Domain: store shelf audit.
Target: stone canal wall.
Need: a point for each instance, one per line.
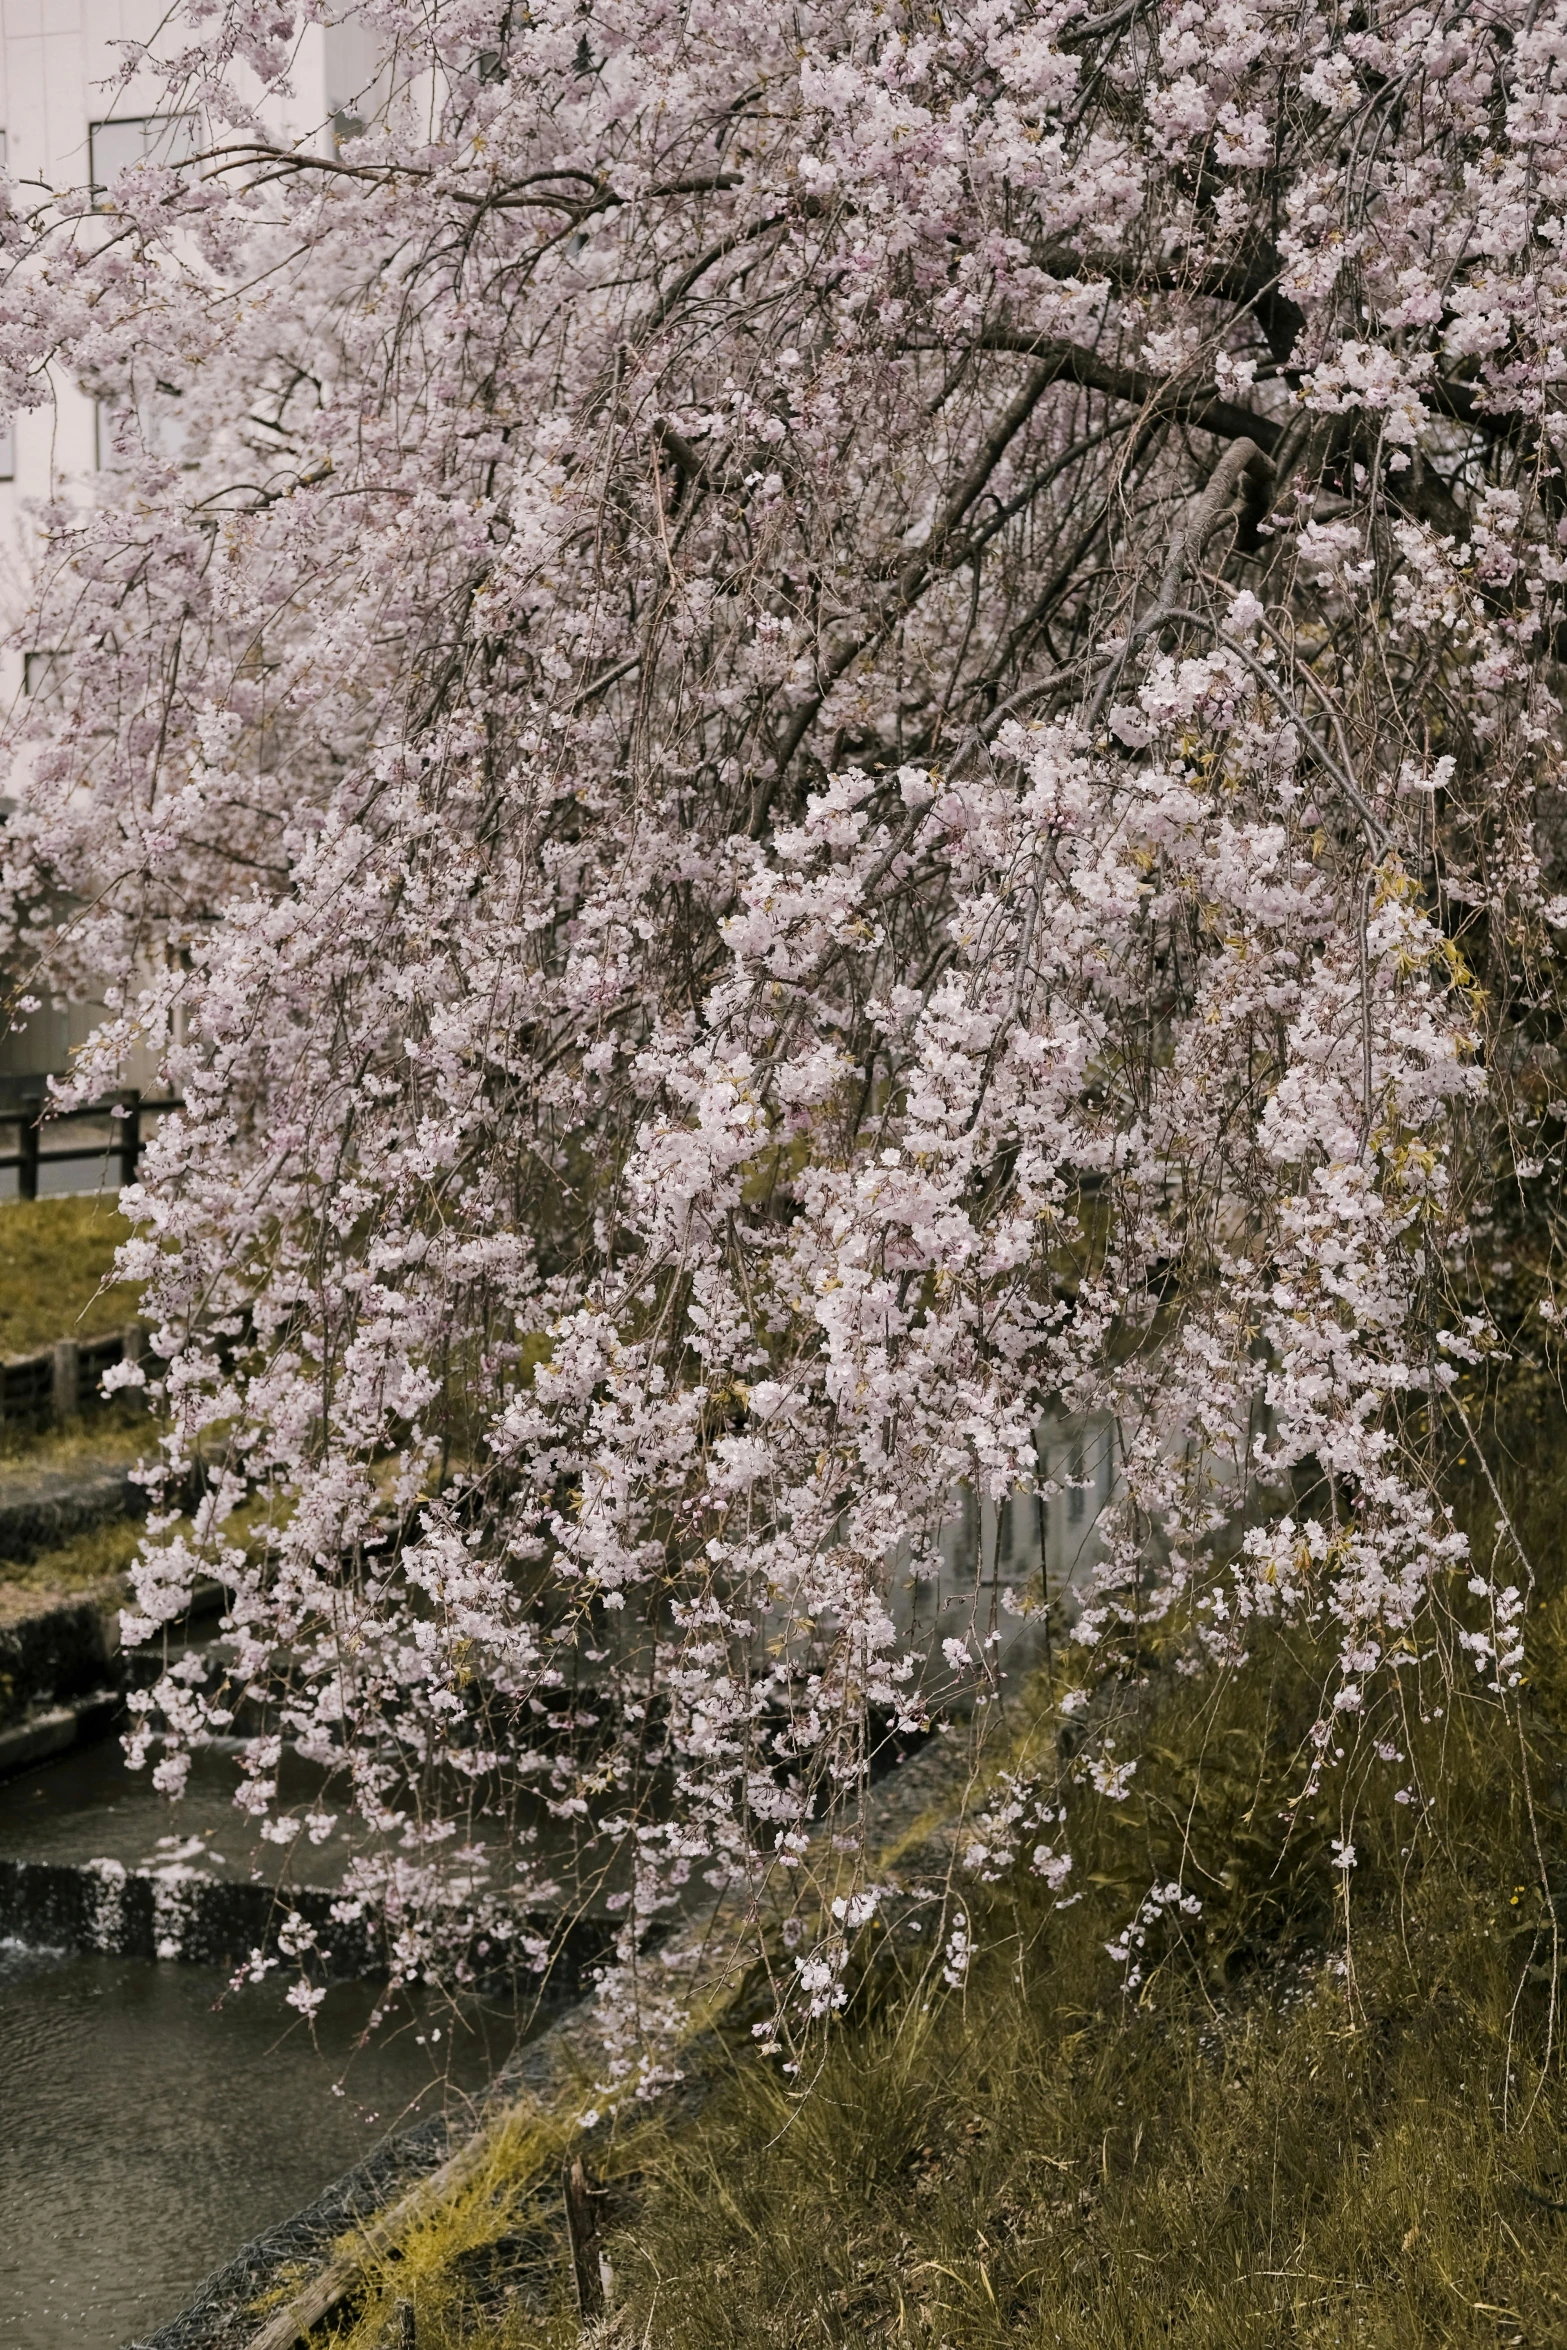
(175, 1913)
(59, 1681)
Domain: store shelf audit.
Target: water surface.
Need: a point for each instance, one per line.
(152, 2121)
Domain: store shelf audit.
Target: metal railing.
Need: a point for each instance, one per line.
(124, 1111)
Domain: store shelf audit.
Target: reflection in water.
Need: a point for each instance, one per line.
(89, 1806)
(152, 2121)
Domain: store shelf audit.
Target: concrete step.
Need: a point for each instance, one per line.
(41, 1508)
(54, 1729)
(54, 1656)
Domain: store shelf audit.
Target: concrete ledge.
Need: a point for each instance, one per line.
(56, 1728)
(174, 1913)
(190, 1915)
(53, 1656)
(44, 1507)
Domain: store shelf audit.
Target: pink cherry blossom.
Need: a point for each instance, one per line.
(808, 734)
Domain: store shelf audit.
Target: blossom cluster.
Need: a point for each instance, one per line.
(838, 728)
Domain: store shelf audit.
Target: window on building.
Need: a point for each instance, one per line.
(148, 411)
(114, 147)
(355, 82)
(43, 675)
(1077, 1499)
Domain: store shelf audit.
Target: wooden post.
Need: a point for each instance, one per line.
(582, 2227)
(129, 1123)
(27, 1146)
(67, 1379)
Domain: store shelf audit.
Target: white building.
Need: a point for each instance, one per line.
(66, 121)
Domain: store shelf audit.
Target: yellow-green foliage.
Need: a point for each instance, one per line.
(445, 2255)
(54, 1254)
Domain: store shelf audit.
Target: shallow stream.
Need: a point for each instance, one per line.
(152, 2121)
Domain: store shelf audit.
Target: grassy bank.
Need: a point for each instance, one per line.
(1293, 2133)
(55, 1256)
(1331, 2113)
(93, 1564)
(1341, 2148)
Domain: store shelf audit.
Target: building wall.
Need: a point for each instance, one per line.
(59, 76)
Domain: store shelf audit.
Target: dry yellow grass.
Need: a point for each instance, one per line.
(1306, 2129)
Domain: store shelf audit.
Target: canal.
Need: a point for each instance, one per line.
(153, 2118)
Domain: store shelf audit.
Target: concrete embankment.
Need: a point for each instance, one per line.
(62, 1675)
(60, 1678)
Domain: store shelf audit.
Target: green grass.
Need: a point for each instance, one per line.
(55, 1254)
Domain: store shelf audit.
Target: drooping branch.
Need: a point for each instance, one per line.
(758, 879)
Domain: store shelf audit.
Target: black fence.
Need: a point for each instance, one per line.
(125, 1113)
